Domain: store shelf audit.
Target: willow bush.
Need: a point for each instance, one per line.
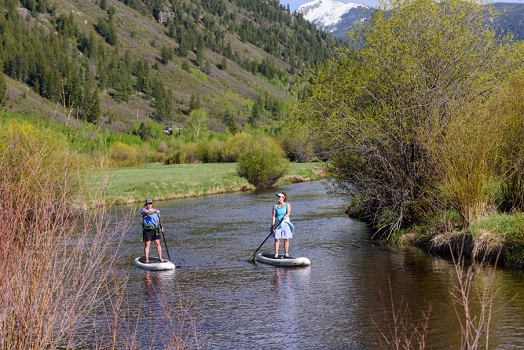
(510, 102)
(468, 151)
(262, 163)
(379, 107)
(298, 143)
(236, 145)
(46, 291)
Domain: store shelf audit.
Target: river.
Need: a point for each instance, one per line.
(336, 303)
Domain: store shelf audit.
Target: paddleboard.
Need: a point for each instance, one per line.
(268, 258)
(154, 264)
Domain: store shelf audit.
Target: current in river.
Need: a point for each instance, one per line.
(338, 302)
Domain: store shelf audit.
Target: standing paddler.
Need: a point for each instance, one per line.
(151, 229)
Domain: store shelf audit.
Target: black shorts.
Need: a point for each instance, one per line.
(151, 234)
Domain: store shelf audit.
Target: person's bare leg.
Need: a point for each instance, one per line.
(277, 245)
(159, 249)
(286, 247)
(146, 250)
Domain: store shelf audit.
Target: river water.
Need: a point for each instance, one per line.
(336, 303)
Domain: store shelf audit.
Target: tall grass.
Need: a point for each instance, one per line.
(58, 281)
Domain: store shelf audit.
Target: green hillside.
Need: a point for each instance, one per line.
(113, 63)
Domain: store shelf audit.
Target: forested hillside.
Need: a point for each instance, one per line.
(512, 18)
(113, 63)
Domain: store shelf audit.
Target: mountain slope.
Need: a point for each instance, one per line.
(512, 18)
(142, 60)
(333, 16)
(338, 18)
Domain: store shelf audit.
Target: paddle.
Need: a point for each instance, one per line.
(252, 257)
(161, 230)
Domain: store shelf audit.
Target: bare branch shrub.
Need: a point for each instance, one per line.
(469, 294)
(60, 287)
(396, 329)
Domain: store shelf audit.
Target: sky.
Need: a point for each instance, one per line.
(294, 4)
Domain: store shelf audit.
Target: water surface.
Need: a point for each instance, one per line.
(332, 304)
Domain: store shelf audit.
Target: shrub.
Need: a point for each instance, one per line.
(262, 164)
(209, 151)
(297, 143)
(189, 152)
(123, 155)
(235, 146)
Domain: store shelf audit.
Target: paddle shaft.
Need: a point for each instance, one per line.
(260, 246)
(162, 230)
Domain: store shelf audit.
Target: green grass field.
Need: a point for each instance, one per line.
(163, 182)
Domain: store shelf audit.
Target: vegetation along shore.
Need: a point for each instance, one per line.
(164, 182)
(417, 118)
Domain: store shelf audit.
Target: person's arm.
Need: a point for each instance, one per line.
(149, 211)
(273, 219)
(288, 211)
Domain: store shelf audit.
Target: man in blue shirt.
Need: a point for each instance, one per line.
(151, 229)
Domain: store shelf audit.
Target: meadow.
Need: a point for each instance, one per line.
(164, 182)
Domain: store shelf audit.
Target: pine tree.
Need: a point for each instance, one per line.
(194, 103)
(231, 122)
(256, 112)
(4, 95)
(166, 54)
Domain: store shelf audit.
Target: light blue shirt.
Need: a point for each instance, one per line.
(280, 212)
(149, 219)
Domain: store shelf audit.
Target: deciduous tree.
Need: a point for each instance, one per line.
(413, 68)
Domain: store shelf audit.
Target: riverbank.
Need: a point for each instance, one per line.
(164, 182)
(497, 239)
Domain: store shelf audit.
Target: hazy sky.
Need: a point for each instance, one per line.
(294, 4)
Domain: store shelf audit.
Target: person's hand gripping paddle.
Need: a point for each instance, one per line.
(252, 257)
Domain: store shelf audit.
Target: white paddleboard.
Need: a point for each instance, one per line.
(268, 258)
(154, 264)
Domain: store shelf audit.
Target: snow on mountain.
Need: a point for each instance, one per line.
(326, 14)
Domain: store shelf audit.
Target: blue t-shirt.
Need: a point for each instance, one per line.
(149, 219)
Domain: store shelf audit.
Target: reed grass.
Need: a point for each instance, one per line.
(58, 279)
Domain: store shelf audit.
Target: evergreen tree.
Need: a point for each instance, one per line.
(4, 95)
(143, 80)
(162, 100)
(166, 54)
(256, 112)
(92, 107)
(185, 65)
(194, 103)
(231, 122)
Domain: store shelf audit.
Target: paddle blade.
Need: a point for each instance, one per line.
(251, 258)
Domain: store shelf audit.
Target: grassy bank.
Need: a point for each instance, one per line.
(498, 238)
(164, 182)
